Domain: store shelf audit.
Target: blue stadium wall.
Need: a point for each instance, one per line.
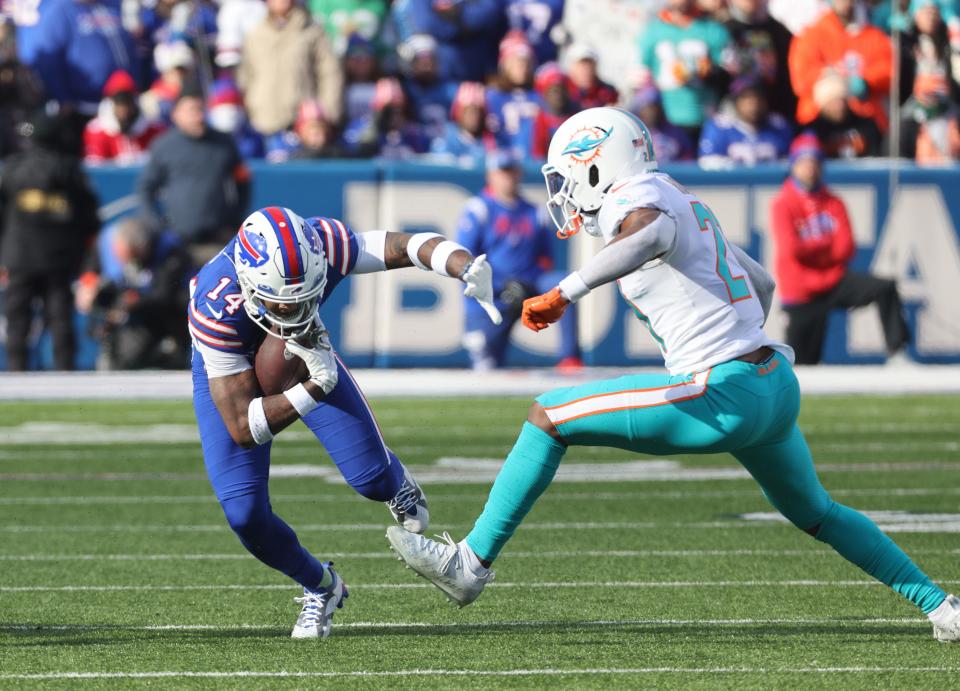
(411, 318)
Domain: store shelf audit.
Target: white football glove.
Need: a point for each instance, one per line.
(319, 358)
(479, 280)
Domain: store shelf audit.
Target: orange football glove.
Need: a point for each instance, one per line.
(543, 310)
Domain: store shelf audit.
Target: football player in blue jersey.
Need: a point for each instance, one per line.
(275, 274)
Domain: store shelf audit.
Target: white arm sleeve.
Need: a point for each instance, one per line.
(617, 259)
(220, 364)
(762, 282)
(370, 252)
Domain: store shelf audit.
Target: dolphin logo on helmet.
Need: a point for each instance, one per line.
(578, 147)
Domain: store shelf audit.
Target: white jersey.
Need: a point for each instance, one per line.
(697, 300)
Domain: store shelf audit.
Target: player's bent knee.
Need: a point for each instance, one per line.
(538, 416)
(246, 514)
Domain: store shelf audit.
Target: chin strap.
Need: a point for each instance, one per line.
(573, 226)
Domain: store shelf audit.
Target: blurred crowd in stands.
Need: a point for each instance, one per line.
(192, 89)
(727, 82)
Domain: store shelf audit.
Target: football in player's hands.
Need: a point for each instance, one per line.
(276, 369)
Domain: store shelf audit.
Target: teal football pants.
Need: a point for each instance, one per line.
(748, 410)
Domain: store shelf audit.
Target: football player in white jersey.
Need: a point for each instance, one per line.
(729, 387)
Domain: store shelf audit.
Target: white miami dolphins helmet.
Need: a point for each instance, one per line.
(279, 258)
(587, 153)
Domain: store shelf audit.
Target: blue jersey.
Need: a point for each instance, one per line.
(431, 104)
(516, 239)
(76, 46)
(726, 138)
(536, 19)
(512, 114)
(215, 314)
(457, 145)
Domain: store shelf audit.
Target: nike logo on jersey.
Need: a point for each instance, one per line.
(618, 187)
(217, 314)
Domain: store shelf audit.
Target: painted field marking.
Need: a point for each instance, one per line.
(613, 554)
(355, 527)
(374, 625)
(453, 470)
(94, 499)
(420, 586)
(888, 521)
(441, 673)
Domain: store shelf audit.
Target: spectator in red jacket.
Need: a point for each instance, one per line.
(813, 248)
(556, 90)
(119, 134)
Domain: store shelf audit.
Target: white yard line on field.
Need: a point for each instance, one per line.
(418, 585)
(163, 499)
(443, 673)
(375, 625)
(888, 521)
(571, 554)
(457, 470)
(354, 527)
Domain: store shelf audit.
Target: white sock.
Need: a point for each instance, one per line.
(471, 559)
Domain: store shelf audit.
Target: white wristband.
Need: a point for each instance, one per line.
(441, 253)
(257, 420)
(301, 399)
(415, 243)
(573, 287)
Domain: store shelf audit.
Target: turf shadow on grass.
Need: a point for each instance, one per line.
(34, 635)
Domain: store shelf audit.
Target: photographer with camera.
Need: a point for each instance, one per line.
(134, 295)
(516, 237)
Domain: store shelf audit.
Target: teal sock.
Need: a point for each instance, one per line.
(527, 472)
(858, 540)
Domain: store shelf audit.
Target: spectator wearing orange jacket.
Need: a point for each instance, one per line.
(813, 246)
(842, 41)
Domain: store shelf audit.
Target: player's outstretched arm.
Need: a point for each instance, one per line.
(381, 250)
(645, 234)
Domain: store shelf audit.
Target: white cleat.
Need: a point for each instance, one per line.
(946, 620)
(316, 617)
(409, 506)
(445, 564)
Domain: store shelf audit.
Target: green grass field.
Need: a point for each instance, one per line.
(118, 570)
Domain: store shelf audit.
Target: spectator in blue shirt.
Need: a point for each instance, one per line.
(361, 69)
(430, 97)
(512, 103)
(77, 45)
(748, 133)
(467, 32)
(670, 142)
(466, 140)
(537, 19)
(516, 237)
(389, 131)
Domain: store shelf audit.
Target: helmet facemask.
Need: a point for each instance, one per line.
(297, 324)
(565, 211)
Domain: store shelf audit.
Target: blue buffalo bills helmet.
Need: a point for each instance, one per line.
(279, 258)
